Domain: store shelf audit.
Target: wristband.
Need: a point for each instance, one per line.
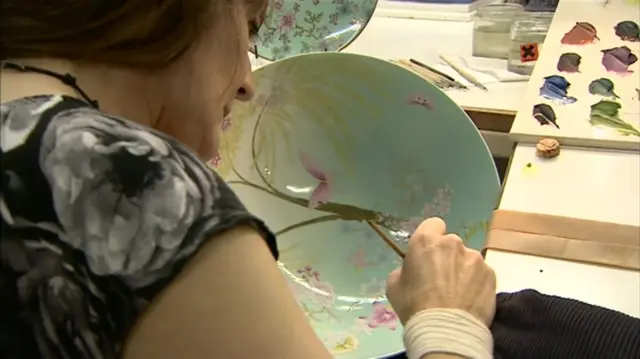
(447, 331)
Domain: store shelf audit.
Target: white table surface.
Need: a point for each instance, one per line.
(580, 183)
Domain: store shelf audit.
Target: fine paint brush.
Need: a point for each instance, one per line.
(447, 82)
(466, 75)
(429, 68)
(390, 242)
(432, 77)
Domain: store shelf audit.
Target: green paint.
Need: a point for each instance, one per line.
(606, 114)
(603, 87)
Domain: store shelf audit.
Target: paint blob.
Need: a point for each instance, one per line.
(602, 87)
(606, 113)
(556, 88)
(582, 33)
(569, 62)
(628, 31)
(618, 59)
(545, 115)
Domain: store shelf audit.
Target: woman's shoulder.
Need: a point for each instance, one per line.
(142, 190)
(117, 208)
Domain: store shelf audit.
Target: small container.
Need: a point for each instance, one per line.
(491, 29)
(527, 36)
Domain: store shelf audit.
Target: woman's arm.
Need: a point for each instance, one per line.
(230, 301)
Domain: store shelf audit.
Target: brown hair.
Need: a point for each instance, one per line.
(131, 33)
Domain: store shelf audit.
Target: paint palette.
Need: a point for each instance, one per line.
(293, 27)
(585, 88)
(335, 146)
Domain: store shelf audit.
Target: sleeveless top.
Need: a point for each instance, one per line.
(99, 214)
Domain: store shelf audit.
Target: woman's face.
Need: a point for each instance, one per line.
(209, 78)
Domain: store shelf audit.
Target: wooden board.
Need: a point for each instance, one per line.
(585, 111)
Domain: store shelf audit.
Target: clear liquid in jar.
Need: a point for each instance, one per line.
(487, 43)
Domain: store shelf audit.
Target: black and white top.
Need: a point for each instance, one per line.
(98, 215)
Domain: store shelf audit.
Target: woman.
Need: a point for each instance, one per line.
(118, 241)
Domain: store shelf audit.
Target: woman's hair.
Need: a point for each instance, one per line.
(130, 33)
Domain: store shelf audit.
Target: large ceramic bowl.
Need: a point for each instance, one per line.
(336, 143)
(293, 27)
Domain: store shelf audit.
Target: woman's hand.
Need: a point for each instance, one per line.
(440, 272)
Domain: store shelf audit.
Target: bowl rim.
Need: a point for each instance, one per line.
(344, 45)
(319, 55)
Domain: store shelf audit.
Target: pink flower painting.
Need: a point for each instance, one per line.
(322, 192)
(382, 317)
(324, 295)
(287, 22)
(421, 101)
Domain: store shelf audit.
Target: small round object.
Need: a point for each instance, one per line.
(548, 148)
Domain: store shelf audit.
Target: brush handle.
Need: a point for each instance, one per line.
(466, 75)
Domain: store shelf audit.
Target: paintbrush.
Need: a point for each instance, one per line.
(390, 242)
(431, 69)
(424, 75)
(466, 75)
(436, 79)
(447, 81)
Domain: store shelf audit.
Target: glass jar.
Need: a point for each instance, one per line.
(491, 27)
(527, 36)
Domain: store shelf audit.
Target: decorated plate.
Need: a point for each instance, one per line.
(334, 145)
(293, 27)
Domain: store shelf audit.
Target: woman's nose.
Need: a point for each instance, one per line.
(246, 91)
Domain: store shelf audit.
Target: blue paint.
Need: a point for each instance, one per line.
(556, 88)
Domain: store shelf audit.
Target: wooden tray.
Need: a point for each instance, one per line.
(571, 239)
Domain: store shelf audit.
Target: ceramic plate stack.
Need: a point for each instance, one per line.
(335, 143)
(294, 27)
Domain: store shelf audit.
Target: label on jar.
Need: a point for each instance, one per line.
(529, 52)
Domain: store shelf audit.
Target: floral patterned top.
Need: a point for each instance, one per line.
(98, 215)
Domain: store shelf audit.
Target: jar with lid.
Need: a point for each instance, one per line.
(527, 36)
(491, 29)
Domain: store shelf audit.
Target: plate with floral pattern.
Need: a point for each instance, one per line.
(334, 146)
(293, 27)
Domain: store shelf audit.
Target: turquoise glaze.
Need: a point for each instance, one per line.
(292, 27)
(334, 143)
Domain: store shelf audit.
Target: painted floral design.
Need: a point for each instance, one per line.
(340, 320)
(381, 317)
(341, 342)
(439, 206)
(322, 192)
(294, 27)
(321, 297)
